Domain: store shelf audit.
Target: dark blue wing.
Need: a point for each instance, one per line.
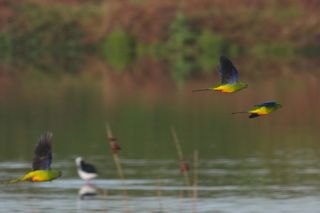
(228, 72)
(266, 104)
(42, 154)
(254, 115)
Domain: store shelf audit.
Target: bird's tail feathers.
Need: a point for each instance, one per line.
(239, 112)
(11, 181)
(15, 180)
(200, 90)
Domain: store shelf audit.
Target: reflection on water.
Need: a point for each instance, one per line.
(87, 191)
(262, 165)
(225, 185)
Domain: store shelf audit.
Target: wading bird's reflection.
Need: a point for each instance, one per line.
(87, 191)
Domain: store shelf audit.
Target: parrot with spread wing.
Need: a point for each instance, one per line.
(41, 165)
(229, 78)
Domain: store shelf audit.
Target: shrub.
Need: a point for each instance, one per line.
(118, 49)
(211, 46)
(180, 47)
(5, 46)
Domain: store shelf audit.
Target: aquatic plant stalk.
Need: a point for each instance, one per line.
(195, 180)
(115, 154)
(159, 194)
(184, 167)
(183, 164)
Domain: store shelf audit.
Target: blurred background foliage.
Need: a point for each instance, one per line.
(188, 36)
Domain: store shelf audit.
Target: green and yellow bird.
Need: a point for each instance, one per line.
(262, 109)
(41, 165)
(229, 78)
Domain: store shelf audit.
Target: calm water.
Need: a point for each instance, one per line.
(263, 165)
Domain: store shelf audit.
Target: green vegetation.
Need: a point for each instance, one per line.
(179, 47)
(118, 49)
(186, 49)
(6, 47)
(211, 46)
(45, 37)
(188, 38)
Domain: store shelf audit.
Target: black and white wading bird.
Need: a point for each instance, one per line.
(86, 171)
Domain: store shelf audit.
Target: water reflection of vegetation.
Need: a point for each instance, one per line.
(76, 110)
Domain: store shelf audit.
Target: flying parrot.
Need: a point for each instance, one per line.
(41, 165)
(262, 109)
(229, 78)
